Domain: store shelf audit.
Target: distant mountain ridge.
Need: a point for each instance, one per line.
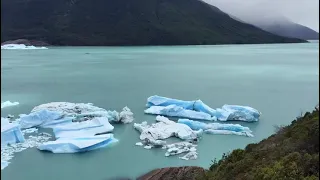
(126, 22)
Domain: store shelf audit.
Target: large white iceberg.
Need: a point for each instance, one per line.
(86, 111)
(198, 110)
(163, 129)
(10, 132)
(78, 144)
(218, 128)
(20, 46)
(84, 128)
(8, 104)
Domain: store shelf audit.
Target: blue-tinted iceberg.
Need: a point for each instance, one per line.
(198, 110)
(43, 118)
(8, 104)
(217, 128)
(78, 144)
(84, 128)
(10, 132)
(177, 111)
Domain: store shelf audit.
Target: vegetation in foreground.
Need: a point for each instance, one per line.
(292, 153)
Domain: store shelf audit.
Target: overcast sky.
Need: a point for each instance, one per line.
(304, 12)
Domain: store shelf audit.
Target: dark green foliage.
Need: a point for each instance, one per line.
(290, 154)
(126, 22)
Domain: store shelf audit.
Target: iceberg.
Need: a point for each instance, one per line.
(198, 110)
(217, 128)
(87, 128)
(177, 111)
(163, 129)
(190, 155)
(8, 151)
(20, 46)
(78, 144)
(4, 164)
(86, 111)
(8, 104)
(42, 118)
(179, 148)
(10, 133)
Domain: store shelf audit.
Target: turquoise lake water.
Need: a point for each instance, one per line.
(280, 80)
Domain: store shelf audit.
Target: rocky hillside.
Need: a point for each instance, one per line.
(126, 22)
(292, 153)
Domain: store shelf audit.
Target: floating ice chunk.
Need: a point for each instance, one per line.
(164, 129)
(30, 130)
(198, 110)
(40, 118)
(8, 151)
(177, 111)
(4, 121)
(148, 147)
(196, 105)
(126, 116)
(217, 128)
(4, 164)
(8, 104)
(84, 128)
(11, 133)
(78, 144)
(139, 144)
(243, 133)
(241, 113)
(190, 155)
(179, 148)
(83, 111)
(20, 46)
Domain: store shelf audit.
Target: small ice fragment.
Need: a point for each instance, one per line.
(8, 104)
(139, 144)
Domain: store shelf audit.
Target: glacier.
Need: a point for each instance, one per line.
(78, 144)
(8, 104)
(198, 110)
(20, 46)
(218, 128)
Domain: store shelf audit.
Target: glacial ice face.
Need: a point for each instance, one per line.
(20, 46)
(164, 129)
(10, 133)
(78, 144)
(217, 128)
(8, 104)
(198, 110)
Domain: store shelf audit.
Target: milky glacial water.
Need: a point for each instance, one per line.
(280, 80)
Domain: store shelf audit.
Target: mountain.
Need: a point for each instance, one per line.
(266, 15)
(126, 22)
(284, 27)
(292, 153)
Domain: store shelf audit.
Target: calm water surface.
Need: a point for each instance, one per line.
(279, 80)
